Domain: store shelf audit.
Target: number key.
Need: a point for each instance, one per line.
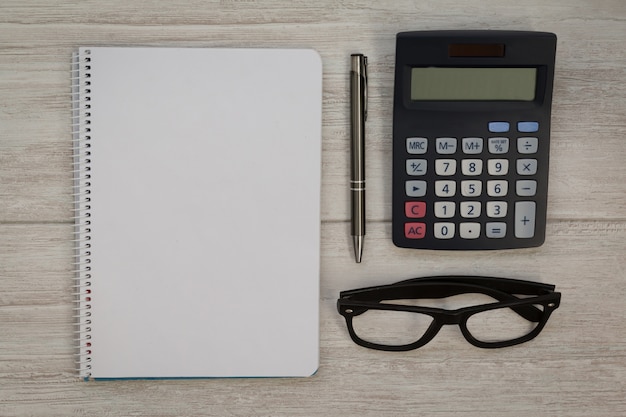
(470, 209)
(445, 188)
(497, 188)
(471, 188)
(444, 209)
(444, 230)
(496, 209)
(445, 167)
(498, 166)
(472, 166)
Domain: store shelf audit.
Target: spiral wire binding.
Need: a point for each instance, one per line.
(81, 144)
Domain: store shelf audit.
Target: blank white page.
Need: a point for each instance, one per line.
(205, 212)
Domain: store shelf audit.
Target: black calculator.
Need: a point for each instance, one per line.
(471, 138)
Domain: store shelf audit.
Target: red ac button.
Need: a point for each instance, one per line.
(414, 230)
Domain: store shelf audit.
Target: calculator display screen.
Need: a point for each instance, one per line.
(479, 84)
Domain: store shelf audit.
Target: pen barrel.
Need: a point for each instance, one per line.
(357, 197)
(357, 146)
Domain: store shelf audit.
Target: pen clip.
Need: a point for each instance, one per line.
(364, 71)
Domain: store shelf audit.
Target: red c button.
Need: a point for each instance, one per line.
(415, 209)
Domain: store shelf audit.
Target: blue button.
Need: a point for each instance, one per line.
(527, 127)
(499, 127)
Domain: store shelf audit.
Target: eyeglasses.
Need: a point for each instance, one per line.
(379, 317)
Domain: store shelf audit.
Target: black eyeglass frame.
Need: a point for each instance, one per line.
(355, 302)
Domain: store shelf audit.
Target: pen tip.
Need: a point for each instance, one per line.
(358, 248)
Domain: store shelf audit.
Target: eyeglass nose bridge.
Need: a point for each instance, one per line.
(450, 317)
(441, 319)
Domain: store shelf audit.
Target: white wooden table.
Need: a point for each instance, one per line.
(576, 367)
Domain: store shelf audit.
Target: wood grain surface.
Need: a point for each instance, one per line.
(576, 367)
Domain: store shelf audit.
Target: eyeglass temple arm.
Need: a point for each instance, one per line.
(438, 289)
(509, 285)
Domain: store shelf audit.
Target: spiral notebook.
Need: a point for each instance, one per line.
(197, 199)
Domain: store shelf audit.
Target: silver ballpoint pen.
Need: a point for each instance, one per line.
(358, 114)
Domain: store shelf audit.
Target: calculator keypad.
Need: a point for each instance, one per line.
(482, 187)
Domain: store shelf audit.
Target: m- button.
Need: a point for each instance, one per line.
(445, 146)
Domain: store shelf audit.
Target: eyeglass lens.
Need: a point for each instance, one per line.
(500, 325)
(391, 328)
(398, 328)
